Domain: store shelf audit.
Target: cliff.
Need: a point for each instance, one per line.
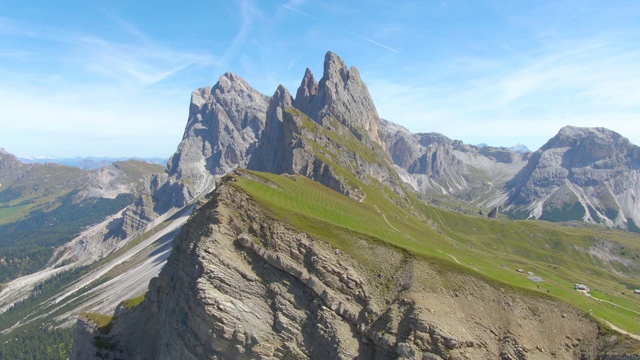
(242, 284)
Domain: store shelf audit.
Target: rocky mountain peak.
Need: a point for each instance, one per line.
(570, 136)
(334, 68)
(273, 153)
(224, 124)
(587, 174)
(8, 162)
(281, 98)
(342, 95)
(593, 145)
(307, 90)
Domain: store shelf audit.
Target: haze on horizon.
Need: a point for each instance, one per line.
(114, 79)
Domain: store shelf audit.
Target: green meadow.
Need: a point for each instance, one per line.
(491, 249)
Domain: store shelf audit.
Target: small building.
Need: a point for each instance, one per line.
(636, 291)
(520, 270)
(582, 287)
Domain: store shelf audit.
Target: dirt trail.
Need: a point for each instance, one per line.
(412, 238)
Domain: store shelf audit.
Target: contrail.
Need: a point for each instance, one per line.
(348, 32)
(299, 12)
(374, 42)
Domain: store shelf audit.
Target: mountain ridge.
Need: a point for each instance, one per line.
(340, 201)
(334, 257)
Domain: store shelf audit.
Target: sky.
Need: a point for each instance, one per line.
(114, 78)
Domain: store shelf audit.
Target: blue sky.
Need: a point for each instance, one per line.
(114, 78)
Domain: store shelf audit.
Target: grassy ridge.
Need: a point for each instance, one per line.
(492, 249)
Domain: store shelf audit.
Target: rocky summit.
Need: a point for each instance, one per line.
(584, 174)
(317, 241)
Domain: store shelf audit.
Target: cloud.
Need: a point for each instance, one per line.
(139, 60)
(585, 82)
(96, 91)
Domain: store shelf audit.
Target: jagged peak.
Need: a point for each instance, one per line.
(334, 65)
(281, 98)
(308, 87)
(230, 80)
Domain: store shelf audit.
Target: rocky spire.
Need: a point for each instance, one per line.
(342, 95)
(272, 153)
(306, 92)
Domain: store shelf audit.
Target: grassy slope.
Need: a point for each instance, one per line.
(492, 249)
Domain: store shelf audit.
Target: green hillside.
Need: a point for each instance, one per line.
(561, 255)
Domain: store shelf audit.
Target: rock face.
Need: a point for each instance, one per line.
(589, 174)
(330, 125)
(224, 125)
(241, 285)
(434, 164)
(342, 95)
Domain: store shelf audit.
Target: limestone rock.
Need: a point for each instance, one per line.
(223, 128)
(315, 132)
(342, 95)
(588, 174)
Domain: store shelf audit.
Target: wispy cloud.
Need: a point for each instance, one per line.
(97, 88)
(582, 82)
(146, 64)
(139, 60)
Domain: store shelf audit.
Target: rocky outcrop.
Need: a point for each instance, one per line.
(222, 131)
(242, 285)
(588, 174)
(115, 179)
(84, 347)
(275, 149)
(224, 124)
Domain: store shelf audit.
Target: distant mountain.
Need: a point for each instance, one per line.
(585, 174)
(434, 164)
(521, 148)
(89, 163)
(45, 205)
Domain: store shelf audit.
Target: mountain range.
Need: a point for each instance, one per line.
(309, 227)
(87, 163)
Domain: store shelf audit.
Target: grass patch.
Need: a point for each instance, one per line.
(131, 303)
(104, 322)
